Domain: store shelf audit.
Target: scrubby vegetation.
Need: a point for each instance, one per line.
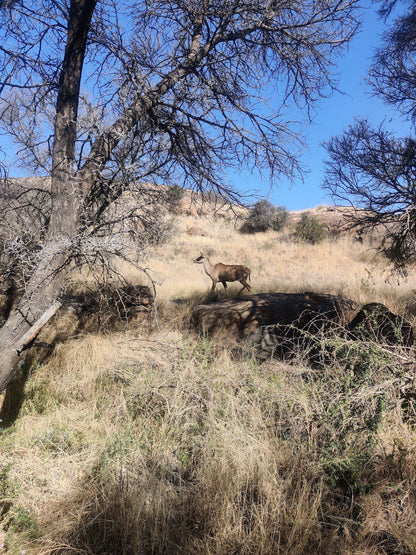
(263, 215)
(174, 195)
(310, 229)
(153, 439)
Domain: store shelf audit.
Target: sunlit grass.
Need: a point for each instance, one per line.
(155, 440)
(335, 266)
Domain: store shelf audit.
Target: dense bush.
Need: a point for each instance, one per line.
(264, 216)
(309, 229)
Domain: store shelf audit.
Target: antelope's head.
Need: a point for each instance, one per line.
(200, 259)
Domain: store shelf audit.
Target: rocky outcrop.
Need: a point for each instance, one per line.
(245, 315)
(279, 321)
(376, 322)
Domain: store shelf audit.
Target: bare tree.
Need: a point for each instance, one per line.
(376, 172)
(172, 91)
(392, 74)
(369, 166)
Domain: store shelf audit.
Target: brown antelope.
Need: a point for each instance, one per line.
(225, 272)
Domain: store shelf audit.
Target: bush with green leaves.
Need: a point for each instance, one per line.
(309, 229)
(174, 195)
(263, 216)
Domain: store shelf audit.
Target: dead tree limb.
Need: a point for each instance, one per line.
(31, 334)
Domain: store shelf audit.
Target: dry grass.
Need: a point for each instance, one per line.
(339, 266)
(154, 440)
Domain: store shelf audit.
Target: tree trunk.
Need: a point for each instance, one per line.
(69, 191)
(44, 285)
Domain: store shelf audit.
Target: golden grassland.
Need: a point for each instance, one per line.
(152, 439)
(336, 266)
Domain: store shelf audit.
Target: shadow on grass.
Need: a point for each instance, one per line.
(90, 312)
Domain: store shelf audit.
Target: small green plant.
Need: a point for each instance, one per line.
(345, 474)
(15, 519)
(175, 194)
(38, 397)
(309, 229)
(58, 441)
(117, 449)
(21, 520)
(8, 490)
(20, 525)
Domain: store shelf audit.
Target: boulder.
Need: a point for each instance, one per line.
(276, 322)
(284, 311)
(375, 322)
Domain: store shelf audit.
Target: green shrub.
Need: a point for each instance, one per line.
(174, 195)
(309, 229)
(280, 218)
(264, 216)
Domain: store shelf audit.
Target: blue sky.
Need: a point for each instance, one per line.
(333, 115)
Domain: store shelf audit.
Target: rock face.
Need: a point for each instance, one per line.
(245, 315)
(279, 321)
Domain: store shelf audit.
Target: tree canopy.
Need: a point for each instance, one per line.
(176, 91)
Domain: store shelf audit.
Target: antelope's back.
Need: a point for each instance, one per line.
(232, 272)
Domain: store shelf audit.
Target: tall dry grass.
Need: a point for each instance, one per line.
(336, 266)
(155, 440)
